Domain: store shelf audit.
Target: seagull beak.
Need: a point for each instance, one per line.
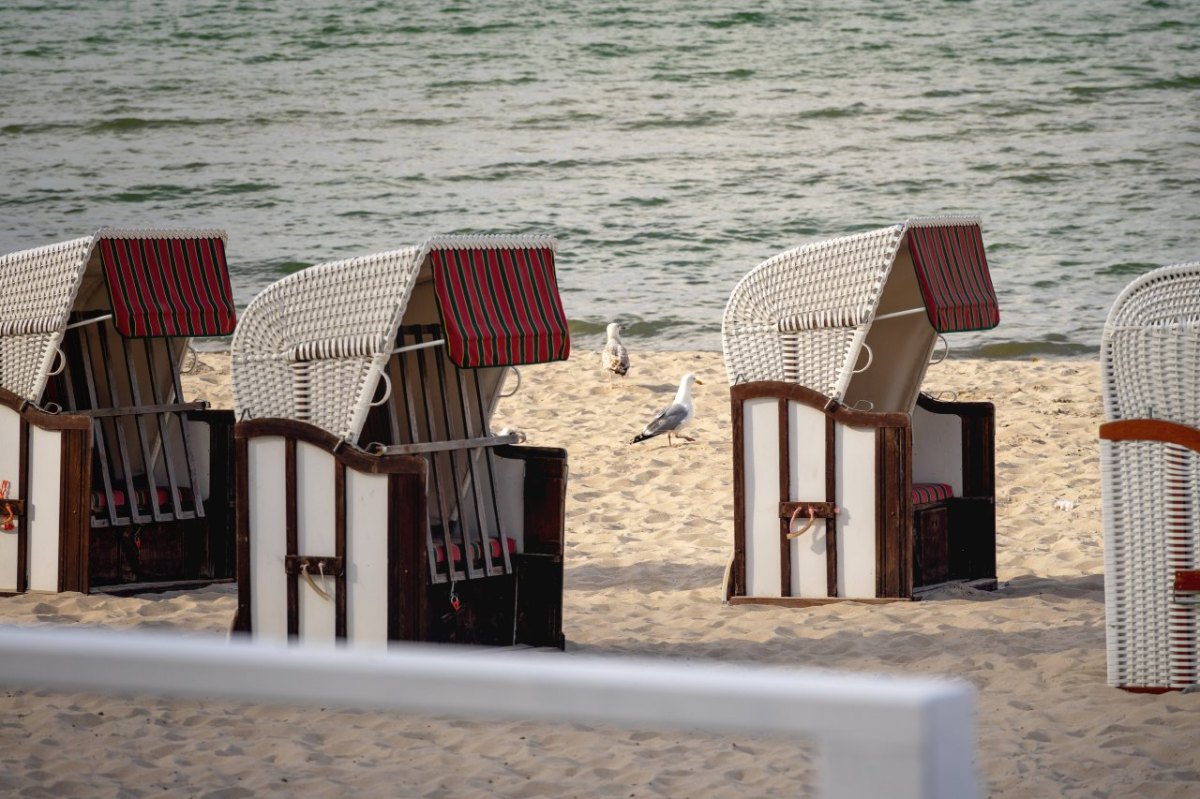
(699, 382)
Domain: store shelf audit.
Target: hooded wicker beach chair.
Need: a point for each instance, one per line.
(375, 501)
(109, 479)
(1150, 467)
(848, 482)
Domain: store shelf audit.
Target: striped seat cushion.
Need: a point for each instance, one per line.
(476, 553)
(142, 497)
(924, 493)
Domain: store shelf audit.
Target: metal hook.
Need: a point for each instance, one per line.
(870, 359)
(61, 359)
(517, 387)
(945, 352)
(387, 393)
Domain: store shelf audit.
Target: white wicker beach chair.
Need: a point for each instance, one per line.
(1150, 466)
(848, 482)
(110, 478)
(376, 503)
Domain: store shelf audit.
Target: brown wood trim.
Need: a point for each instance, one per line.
(545, 503)
(893, 513)
(241, 621)
(737, 568)
(315, 564)
(292, 528)
(1146, 689)
(1151, 430)
(142, 410)
(23, 524)
(358, 459)
(979, 455)
(785, 491)
(339, 547)
(831, 525)
(774, 389)
(1187, 580)
(41, 418)
(809, 602)
(74, 521)
(408, 543)
(966, 409)
(820, 510)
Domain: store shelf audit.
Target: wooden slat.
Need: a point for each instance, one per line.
(142, 436)
(292, 533)
(241, 494)
(119, 429)
(23, 523)
(785, 490)
(98, 433)
(737, 567)
(451, 446)
(1187, 580)
(831, 525)
(339, 547)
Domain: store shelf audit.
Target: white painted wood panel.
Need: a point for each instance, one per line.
(10, 470)
(315, 536)
(937, 449)
(45, 502)
(367, 536)
(510, 498)
(267, 503)
(855, 453)
(806, 448)
(761, 440)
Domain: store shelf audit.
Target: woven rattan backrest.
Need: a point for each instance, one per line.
(1150, 352)
(310, 346)
(39, 288)
(801, 316)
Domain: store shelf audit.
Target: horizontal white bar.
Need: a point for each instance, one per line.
(904, 738)
(422, 346)
(447, 446)
(894, 314)
(93, 321)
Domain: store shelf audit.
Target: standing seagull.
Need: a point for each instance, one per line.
(671, 419)
(614, 357)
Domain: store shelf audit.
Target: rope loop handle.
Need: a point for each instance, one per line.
(312, 584)
(8, 522)
(812, 519)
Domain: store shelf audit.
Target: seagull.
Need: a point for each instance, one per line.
(614, 357)
(674, 417)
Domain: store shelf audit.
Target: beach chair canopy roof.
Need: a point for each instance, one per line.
(171, 283)
(803, 315)
(312, 345)
(1150, 351)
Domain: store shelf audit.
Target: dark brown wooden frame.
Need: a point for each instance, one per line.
(75, 489)
(971, 559)
(527, 601)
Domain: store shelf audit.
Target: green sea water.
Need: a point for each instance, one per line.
(670, 146)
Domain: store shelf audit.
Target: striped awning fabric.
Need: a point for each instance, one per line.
(500, 306)
(953, 273)
(168, 286)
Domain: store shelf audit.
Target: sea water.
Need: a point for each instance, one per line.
(670, 146)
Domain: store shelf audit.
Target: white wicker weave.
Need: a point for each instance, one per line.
(312, 345)
(40, 289)
(803, 315)
(1150, 367)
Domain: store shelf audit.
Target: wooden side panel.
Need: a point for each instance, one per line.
(761, 465)
(367, 534)
(266, 508)
(407, 526)
(11, 558)
(893, 509)
(937, 449)
(807, 451)
(315, 527)
(75, 524)
(856, 463)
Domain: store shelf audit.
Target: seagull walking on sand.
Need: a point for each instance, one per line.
(674, 417)
(614, 357)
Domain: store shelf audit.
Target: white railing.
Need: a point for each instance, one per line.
(877, 736)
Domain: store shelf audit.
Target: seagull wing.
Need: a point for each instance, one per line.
(616, 358)
(665, 421)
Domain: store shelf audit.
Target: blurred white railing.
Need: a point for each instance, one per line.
(877, 736)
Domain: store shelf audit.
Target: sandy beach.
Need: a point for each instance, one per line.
(649, 531)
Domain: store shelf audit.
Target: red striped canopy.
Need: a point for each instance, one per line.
(168, 286)
(953, 273)
(500, 307)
